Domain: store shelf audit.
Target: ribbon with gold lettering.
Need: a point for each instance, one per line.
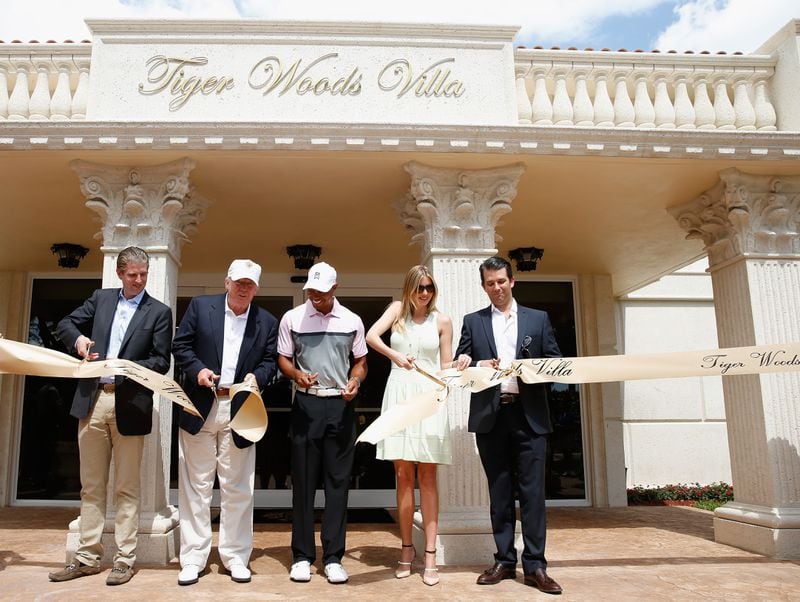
(761, 359)
(21, 358)
(251, 420)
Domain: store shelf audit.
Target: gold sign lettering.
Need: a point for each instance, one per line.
(170, 73)
(434, 81)
(268, 74)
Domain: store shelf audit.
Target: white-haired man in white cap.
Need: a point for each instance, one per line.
(221, 339)
(315, 341)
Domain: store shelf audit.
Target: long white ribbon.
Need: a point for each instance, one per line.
(761, 359)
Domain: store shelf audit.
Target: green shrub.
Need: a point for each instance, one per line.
(716, 492)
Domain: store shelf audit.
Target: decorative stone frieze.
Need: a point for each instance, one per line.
(745, 214)
(152, 207)
(457, 209)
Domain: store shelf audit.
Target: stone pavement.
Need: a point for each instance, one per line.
(652, 553)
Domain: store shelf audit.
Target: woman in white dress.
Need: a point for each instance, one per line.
(419, 334)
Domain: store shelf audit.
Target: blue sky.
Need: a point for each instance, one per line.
(664, 24)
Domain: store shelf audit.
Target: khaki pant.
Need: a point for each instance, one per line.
(97, 438)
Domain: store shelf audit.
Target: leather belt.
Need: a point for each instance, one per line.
(108, 387)
(506, 398)
(322, 392)
(223, 391)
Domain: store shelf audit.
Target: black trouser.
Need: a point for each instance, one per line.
(512, 447)
(323, 434)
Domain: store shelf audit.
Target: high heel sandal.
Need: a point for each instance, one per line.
(404, 568)
(431, 576)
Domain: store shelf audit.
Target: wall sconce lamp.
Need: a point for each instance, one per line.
(69, 255)
(304, 257)
(526, 258)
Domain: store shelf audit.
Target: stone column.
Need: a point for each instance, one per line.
(749, 226)
(452, 214)
(154, 208)
(13, 290)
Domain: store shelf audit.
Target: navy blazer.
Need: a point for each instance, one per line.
(147, 342)
(198, 344)
(477, 341)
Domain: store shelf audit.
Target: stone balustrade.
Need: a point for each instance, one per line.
(41, 82)
(644, 90)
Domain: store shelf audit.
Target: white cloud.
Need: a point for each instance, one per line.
(726, 25)
(539, 19)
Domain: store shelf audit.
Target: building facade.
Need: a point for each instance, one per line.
(391, 145)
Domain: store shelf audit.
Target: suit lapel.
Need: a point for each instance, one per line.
(522, 328)
(248, 340)
(216, 317)
(486, 320)
(105, 317)
(136, 320)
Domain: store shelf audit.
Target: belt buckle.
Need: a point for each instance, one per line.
(507, 398)
(108, 387)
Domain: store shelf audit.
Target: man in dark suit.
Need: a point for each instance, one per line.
(511, 422)
(114, 413)
(221, 340)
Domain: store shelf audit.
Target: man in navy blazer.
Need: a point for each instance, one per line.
(511, 422)
(221, 339)
(115, 412)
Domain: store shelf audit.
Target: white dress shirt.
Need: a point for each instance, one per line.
(123, 315)
(232, 344)
(505, 341)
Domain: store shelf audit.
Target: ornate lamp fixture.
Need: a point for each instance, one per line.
(526, 258)
(69, 255)
(304, 257)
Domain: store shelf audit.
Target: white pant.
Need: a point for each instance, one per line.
(201, 456)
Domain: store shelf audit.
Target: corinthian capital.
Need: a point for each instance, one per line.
(745, 214)
(457, 209)
(152, 207)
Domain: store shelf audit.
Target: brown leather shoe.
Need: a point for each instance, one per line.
(541, 581)
(121, 573)
(74, 570)
(496, 574)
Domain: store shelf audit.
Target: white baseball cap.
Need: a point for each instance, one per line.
(244, 268)
(321, 277)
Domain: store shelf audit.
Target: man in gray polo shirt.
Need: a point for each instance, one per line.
(315, 341)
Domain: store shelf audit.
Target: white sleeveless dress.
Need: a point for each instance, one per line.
(429, 440)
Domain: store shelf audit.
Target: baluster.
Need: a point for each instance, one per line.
(684, 111)
(743, 108)
(624, 113)
(523, 102)
(20, 96)
(61, 102)
(39, 105)
(642, 105)
(765, 112)
(664, 111)
(703, 109)
(541, 107)
(723, 109)
(603, 109)
(81, 96)
(562, 107)
(3, 90)
(582, 110)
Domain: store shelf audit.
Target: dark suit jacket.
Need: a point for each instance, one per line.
(147, 342)
(477, 341)
(198, 344)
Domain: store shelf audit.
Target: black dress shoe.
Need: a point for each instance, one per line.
(541, 581)
(496, 574)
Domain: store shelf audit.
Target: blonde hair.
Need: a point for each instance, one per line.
(410, 286)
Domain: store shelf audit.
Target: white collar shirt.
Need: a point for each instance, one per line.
(232, 344)
(505, 341)
(126, 308)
